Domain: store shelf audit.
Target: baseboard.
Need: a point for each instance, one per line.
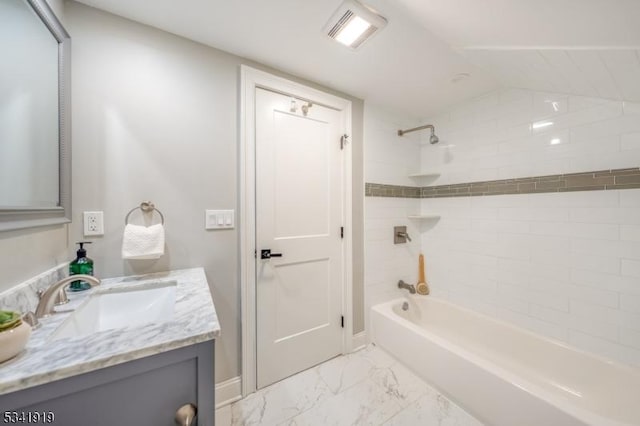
(359, 340)
(228, 391)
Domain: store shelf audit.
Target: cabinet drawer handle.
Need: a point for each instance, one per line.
(186, 414)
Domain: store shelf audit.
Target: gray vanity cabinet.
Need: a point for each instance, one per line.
(142, 392)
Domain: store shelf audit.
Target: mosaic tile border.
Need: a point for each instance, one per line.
(587, 181)
(382, 190)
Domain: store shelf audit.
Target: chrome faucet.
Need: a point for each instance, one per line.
(410, 287)
(48, 297)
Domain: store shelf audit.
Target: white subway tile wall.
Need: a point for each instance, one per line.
(570, 272)
(389, 159)
(515, 133)
(566, 265)
(386, 262)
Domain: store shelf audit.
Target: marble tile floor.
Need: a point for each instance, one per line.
(367, 387)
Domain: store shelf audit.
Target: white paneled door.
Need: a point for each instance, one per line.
(299, 215)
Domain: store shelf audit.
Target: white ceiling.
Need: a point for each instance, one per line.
(409, 65)
(603, 73)
(582, 47)
(404, 67)
(531, 23)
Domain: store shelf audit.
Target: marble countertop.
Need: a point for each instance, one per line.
(45, 359)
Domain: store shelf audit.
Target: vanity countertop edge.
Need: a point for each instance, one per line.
(45, 360)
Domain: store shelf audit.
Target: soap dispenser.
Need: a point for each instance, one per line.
(81, 265)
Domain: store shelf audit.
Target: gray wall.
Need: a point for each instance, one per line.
(155, 116)
(29, 252)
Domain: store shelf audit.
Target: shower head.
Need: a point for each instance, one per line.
(433, 139)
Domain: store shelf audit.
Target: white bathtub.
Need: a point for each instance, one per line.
(502, 374)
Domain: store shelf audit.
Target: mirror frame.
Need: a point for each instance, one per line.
(21, 218)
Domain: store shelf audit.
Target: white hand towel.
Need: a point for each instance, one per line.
(143, 242)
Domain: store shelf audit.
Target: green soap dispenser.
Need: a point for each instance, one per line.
(81, 265)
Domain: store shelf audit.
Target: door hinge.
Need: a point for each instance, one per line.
(342, 321)
(343, 140)
(342, 232)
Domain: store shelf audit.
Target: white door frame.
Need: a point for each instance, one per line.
(250, 79)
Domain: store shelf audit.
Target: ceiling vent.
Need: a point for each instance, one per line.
(354, 23)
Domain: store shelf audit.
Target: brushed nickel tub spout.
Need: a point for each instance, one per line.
(410, 287)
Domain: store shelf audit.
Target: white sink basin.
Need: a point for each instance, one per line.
(119, 308)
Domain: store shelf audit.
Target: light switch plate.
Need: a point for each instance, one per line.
(219, 219)
(93, 224)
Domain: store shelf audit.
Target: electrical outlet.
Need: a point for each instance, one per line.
(93, 224)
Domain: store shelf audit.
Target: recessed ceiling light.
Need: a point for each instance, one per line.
(555, 141)
(353, 24)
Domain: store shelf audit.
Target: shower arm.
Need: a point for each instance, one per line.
(427, 126)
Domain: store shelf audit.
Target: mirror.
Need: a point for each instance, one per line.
(35, 151)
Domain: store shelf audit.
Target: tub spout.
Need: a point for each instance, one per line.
(410, 287)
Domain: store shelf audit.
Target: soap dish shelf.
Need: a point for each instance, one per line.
(424, 179)
(424, 175)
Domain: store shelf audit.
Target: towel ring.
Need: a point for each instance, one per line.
(146, 207)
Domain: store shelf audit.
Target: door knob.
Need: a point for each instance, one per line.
(266, 254)
(186, 414)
